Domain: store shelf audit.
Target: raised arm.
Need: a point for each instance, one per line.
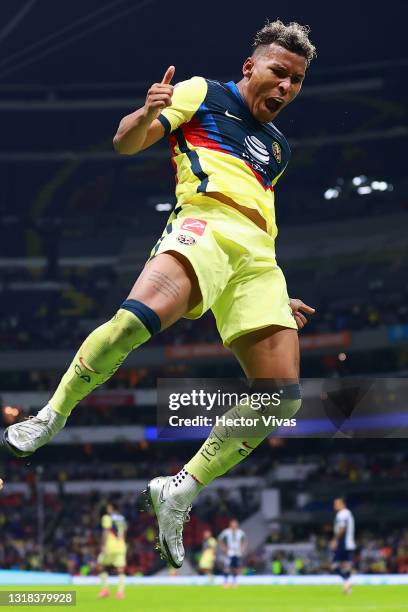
(141, 129)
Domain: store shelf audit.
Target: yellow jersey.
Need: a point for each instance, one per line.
(217, 145)
(115, 524)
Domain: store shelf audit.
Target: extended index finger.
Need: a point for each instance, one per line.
(169, 74)
(306, 308)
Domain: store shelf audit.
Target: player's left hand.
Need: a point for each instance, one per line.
(333, 544)
(298, 308)
(1, 484)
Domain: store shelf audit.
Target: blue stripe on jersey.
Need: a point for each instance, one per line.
(234, 89)
(169, 229)
(209, 124)
(194, 161)
(165, 123)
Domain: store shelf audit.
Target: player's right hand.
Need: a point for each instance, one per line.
(159, 95)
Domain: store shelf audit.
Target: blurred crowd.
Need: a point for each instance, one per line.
(43, 313)
(72, 535)
(142, 459)
(72, 530)
(375, 554)
(358, 467)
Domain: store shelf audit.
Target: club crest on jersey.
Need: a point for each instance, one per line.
(277, 153)
(194, 225)
(184, 239)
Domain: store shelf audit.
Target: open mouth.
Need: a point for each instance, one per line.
(273, 104)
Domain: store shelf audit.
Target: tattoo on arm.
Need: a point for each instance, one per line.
(163, 284)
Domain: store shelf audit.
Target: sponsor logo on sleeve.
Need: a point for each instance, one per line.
(194, 225)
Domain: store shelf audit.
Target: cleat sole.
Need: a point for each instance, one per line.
(12, 450)
(168, 555)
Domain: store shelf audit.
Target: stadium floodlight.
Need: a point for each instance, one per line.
(10, 414)
(379, 185)
(163, 207)
(364, 189)
(331, 193)
(359, 180)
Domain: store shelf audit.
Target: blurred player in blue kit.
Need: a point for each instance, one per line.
(233, 543)
(343, 543)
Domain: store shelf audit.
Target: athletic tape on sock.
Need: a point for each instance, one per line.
(147, 316)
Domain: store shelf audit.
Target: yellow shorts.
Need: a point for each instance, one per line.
(206, 562)
(235, 264)
(114, 559)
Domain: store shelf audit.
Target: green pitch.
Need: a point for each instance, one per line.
(242, 599)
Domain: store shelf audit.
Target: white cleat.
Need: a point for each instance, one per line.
(24, 438)
(170, 518)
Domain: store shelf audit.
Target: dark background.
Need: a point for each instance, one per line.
(78, 221)
(140, 39)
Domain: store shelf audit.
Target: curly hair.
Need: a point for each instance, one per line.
(293, 37)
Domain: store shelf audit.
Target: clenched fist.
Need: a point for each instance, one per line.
(159, 96)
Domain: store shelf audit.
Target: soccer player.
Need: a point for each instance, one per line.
(207, 557)
(113, 549)
(233, 543)
(343, 544)
(216, 252)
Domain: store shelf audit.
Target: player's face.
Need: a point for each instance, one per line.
(273, 78)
